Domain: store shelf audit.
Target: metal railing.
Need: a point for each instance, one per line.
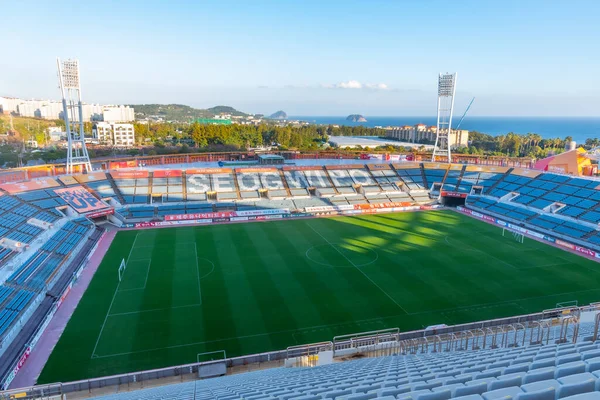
(306, 355)
(531, 329)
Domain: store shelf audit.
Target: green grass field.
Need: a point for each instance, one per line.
(254, 287)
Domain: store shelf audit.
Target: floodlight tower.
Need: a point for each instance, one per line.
(70, 90)
(446, 90)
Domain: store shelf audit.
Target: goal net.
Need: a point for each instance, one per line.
(122, 269)
(517, 236)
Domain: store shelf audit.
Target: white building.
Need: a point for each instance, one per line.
(421, 133)
(9, 105)
(53, 109)
(92, 112)
(118, 114)
(121, 135)
(56, 134)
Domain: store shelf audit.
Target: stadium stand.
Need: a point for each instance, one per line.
(554, 203)
(29, 213)
(219, 189)
(540, 371)
(567, 207)
(38, 272)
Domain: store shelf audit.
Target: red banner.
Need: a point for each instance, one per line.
(565, 244)
(129, 174)
(165, 173)
(182, 217)
(204, 171)
(122, 164)
(585, 251)
(100, 213)
(304, 168)
(255, 170)
(381, 205)
(12, 176)
(146, 224)
(454, 194)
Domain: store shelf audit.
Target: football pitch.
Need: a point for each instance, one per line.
(254, 287)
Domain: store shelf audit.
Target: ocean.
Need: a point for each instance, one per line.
(580, 128)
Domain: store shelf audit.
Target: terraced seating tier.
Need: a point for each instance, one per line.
(542, 372)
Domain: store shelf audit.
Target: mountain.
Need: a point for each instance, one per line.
(356, 118)
(279, 115)
(181, 112)
(217, 110)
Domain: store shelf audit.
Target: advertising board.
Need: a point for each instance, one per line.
(558, 242)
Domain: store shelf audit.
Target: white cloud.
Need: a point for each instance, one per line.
(377, 86)
(350, 85)
(353, 84)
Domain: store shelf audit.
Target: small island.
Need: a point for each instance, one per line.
(279, 115)
(356, 118)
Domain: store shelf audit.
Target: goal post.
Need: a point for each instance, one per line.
(517, 236)
(122, 269)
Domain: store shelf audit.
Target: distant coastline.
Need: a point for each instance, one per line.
(580, 128)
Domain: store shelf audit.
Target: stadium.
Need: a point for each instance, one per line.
(322, 277)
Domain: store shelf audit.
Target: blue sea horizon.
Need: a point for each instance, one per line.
(579, 128)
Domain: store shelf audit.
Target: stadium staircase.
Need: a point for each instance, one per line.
(286, 187)
(237, 187)
(424, 177)
(184, 186)
(445, 176)
(491, 188)
(460, 176)
(332, 185)
(116, 189)
(150, 190)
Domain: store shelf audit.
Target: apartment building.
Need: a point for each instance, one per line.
(115, 134)
(421, 133)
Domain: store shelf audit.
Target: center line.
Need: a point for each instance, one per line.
(361, 271)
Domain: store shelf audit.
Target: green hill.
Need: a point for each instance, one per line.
(180, 112)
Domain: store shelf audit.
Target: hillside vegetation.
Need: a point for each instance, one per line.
(181, 112)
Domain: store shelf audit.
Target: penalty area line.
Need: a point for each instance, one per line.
(112, 301)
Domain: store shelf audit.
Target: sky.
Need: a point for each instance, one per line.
(376, 58)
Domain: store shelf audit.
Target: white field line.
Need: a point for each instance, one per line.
(317, 327)
(358, 269)
(113, 300)
(154, 309)
(147, 274)
(198, 272)
(475, 250)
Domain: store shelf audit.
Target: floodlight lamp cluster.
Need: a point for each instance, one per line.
(446, 85)
(70, 74)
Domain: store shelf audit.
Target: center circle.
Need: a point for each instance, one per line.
(345, 255)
